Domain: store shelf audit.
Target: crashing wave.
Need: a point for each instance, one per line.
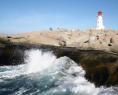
(44, 74)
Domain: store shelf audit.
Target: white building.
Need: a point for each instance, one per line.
(100, 25)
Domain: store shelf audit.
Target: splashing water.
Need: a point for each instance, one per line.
(44, 74)
(38, 60)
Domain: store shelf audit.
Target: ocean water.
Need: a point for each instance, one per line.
(44, 74)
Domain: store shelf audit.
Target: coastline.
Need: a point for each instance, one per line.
(100, 64)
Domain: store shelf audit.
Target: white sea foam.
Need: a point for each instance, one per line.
(77, 83)
(11, 71)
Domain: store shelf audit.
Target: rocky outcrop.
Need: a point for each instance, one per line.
(90, 39)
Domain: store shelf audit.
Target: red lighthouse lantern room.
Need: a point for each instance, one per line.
(100, 13)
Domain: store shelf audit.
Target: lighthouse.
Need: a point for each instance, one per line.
(100, 25)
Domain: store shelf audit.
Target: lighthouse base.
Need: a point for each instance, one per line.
(100, 28)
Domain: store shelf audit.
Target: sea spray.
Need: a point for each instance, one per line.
(38, 60)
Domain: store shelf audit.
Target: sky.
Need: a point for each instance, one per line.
(18, 16)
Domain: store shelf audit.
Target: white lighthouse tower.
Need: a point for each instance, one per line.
(100, 25)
